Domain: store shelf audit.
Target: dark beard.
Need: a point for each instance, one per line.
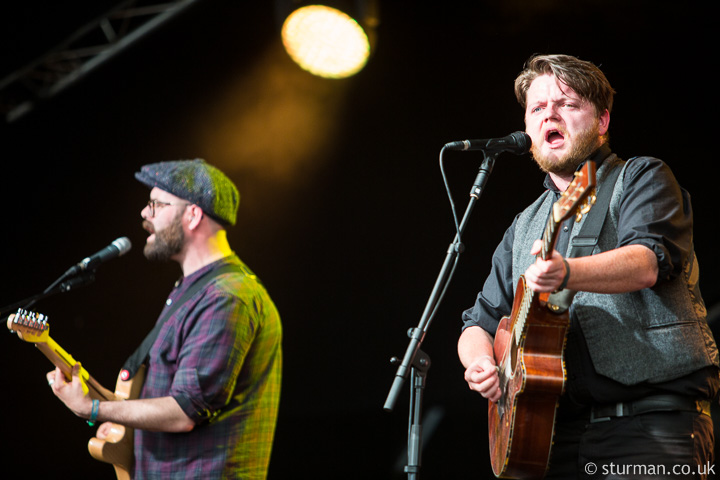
(587, 143)
(168, 242)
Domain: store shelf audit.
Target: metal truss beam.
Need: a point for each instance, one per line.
(82, 52)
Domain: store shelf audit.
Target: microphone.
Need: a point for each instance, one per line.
(517, 143)
(119, 247)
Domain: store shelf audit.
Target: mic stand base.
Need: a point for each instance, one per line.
(418, 375)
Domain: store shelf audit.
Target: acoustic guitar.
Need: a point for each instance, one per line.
(528, 349)
(117, 447)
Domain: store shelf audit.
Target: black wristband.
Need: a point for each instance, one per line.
(567, 276)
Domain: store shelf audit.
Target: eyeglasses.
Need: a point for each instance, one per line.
(154, 204)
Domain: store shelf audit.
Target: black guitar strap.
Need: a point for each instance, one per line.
(133, 363)
(584, 243)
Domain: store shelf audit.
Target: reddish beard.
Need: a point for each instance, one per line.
(586, 142)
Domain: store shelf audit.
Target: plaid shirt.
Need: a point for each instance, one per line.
(220, 357)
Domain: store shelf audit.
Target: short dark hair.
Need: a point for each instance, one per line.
(588, 81)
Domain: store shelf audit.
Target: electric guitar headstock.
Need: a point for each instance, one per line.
(32, 327)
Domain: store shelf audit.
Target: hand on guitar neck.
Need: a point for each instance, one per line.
(546, 274)
(71, 393)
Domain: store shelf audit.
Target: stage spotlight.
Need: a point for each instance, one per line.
(328, 42)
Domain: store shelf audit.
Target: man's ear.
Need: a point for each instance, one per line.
(604, 122)
(194, 216)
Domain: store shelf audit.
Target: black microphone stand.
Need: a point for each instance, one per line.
(415, 361)
(61, 285)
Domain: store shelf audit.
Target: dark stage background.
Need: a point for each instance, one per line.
(344, 214)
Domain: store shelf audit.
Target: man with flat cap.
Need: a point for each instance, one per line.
(209, 403)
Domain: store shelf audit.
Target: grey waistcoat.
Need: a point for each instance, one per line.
(655, 334)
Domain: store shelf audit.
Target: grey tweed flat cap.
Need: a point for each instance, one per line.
(197, 182)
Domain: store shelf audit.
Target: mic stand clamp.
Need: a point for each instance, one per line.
(415, 362)
(81, 280)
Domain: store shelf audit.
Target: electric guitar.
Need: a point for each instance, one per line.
(117, 447)
(528, 349)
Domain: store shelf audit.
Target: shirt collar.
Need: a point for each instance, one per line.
(598, 156)
(198, 273)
